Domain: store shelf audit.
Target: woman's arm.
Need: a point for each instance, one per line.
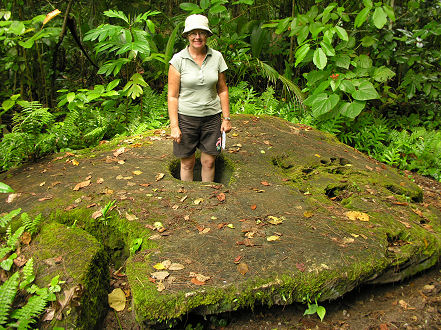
(174, 81)
(222, 91)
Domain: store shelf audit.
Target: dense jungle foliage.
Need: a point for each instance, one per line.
(78, 72)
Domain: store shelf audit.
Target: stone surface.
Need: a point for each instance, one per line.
(296, 214)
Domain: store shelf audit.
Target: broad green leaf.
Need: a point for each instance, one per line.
(347, 86)
(363, 61)
(17, 28)
(361, 17)
(366, 91)
(303, 34)
(328, 49)
(315, 28)
(70, 97)
(321, 87)
(8, 104)
(342, 61)
(301, 53)
(379, 17)
(205, 4)
(320, 60)
(353, 109)
(188, 6)
(342, 34)
(328, 36)
(389, 12)
(383, 74)
(368, 41)
(111, 85)
(217, 9)
(324, 103)
(27, 44)
(151, 26)
(5, 189)
(283, 25)
(368, 3)
(321, 311)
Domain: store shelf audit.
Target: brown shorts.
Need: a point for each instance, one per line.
(198, 132)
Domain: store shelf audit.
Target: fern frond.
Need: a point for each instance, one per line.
(13, 240)
(271, 74)
(7, 294)
(27, 315)
(4, 251)
(28, 274)
(32, 118)
(4, 220)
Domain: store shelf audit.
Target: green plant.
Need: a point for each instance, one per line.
(5, 189)
(105, 217)
(136, 244)
(314, 308)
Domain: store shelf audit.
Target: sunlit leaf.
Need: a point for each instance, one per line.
(117, 299)
(51, 15)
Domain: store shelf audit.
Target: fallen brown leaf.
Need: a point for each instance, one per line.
(26, 238)
(221, 197)
(265, 183)
(253, 207)
(82, 185)
(119, 151)
(20, 261)
(242, 268)
(237, 259)
(159, 176)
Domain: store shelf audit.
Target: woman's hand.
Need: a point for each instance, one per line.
(176, 134)
(226, 126)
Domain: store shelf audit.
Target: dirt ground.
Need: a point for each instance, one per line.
(412, 304)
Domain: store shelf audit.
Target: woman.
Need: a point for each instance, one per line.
(197, 95)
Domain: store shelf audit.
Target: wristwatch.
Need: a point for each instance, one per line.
(227, 118)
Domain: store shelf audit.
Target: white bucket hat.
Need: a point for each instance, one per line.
(196, 22)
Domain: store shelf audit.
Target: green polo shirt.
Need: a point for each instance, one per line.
(198, 93)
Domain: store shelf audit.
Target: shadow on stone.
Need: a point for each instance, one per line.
(223, 170)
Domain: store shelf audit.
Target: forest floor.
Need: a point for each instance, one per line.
(411, 304)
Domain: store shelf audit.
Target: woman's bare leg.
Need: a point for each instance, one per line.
(207, 162)
(187, 166)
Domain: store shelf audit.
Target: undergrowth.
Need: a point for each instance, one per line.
(21, 300)
(408, 140)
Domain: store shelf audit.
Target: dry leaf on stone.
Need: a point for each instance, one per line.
(253, 207)
(166, 263)
(131, 217)
(20, 261)
(42, 184)
(160, 286)
(117, 299)
(176, 266)
(275, 220)
(356, 215)
(308, 214)
(11, 197)
(45, 198)
(205, 231)
(97, 214)
(198, 201)
(159, 176)
(199, 277)
(100, 180)
(265, 183)
(25, 238)
(183, 198)
(119, 177)
(347, 240)
(237, 259)
(119, 151)
(137, 172)
(82, 185)
(195, 281)
(273, 238)
(221, 197)
(162, 275)
(242, 268)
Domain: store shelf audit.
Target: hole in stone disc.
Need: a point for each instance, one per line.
(222, 173)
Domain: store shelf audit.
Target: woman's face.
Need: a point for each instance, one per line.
(197, 38)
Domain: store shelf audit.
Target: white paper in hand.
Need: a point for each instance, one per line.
(224, 139)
